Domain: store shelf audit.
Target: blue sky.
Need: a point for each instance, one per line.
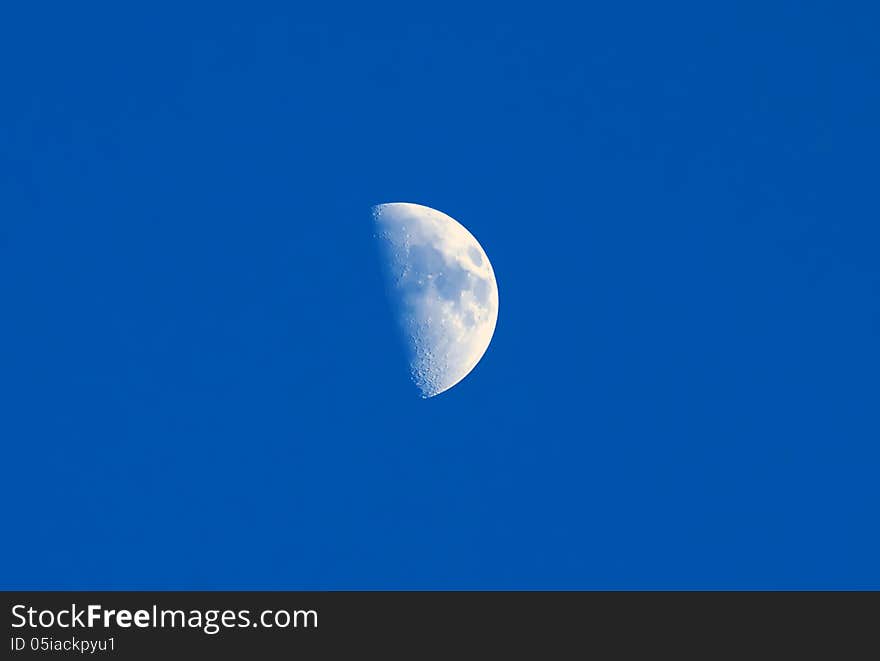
(200, 380)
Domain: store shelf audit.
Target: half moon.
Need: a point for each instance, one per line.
(444, 289)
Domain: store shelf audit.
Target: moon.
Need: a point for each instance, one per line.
(444, 290)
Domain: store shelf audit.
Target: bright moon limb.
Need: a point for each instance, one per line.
(444, 288)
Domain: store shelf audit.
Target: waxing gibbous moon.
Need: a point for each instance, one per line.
(444, 289)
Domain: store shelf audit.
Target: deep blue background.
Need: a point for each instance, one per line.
(200, 385)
